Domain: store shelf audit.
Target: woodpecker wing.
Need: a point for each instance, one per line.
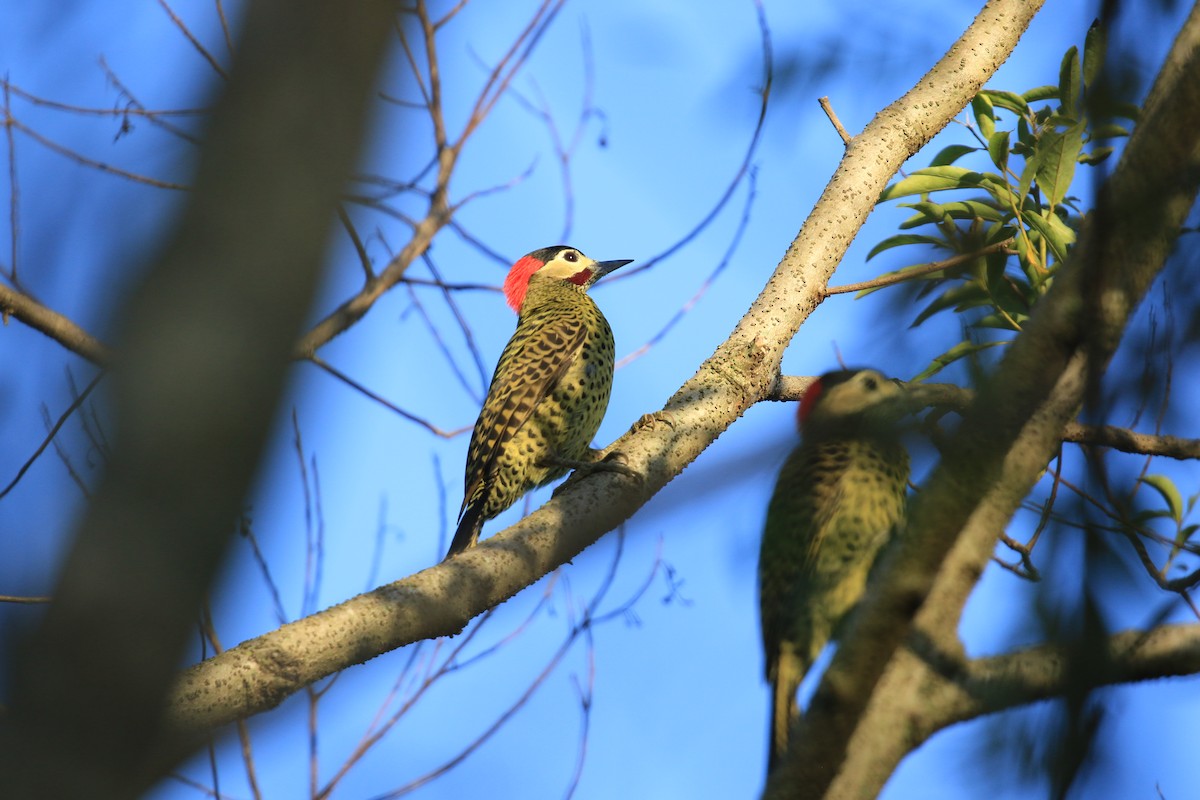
(529, 371)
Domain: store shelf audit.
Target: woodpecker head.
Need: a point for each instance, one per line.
(849, 401)
(559, 262)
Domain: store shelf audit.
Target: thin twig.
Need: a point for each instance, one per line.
(917, 272)
(14, 192)
(76, 403)
(200, 48)
(346, 379)
(97, 165)
(352, 232)
(743, 223)
(463, 325)
(134, 108)
(743, 168)
(827, 107)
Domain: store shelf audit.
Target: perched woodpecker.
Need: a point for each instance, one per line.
(839, 498)
(550, 389)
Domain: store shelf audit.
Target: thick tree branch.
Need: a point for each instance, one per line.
(1073, 333)
(947, 688)
(258, 674)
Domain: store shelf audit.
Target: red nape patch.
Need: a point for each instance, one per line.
(581, 277)
(518, 280)
(809, 401)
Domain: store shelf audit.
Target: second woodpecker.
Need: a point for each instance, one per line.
(550, 389)
(839, 498)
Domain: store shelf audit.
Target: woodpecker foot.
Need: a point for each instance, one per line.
(650, 420)
(582, 469)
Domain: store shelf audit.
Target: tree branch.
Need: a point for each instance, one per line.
(947, 395)
(951, 689)
(259, 674)
(53, 324)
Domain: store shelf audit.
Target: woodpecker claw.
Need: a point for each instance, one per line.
(582, 469)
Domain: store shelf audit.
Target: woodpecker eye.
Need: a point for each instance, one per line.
(870, 383)
(571, 256)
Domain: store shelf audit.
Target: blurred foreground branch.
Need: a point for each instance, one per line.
(203, 349)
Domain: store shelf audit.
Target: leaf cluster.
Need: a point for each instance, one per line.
(1008, 223)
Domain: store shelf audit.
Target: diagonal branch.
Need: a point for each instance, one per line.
(260, 673)
(55, 325)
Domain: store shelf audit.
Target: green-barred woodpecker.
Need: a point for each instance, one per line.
(839, 498)
(550, 389)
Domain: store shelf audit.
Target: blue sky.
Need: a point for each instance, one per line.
(678, 704)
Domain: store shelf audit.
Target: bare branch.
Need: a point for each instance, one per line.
(21, 600)
(54, 325)
(827, 107)
(92, 163)
(959, 690)
(200, 48)
(346, 379)
(956, 398)
(743, 168)
(909, 274)
(62, 420)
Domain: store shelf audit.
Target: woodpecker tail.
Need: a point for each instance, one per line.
(468, 529)
(784, 709)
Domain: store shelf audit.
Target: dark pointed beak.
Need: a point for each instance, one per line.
(605, 267)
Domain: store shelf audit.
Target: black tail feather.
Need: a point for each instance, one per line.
(468, 530)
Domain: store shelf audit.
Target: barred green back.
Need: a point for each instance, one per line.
(547, 397)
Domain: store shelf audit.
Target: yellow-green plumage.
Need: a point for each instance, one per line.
(838, 499)
(550, 389)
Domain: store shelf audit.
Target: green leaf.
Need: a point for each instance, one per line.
(1097, 156)
(1026, 140)
(999, 189)
(960, 298)
(1069, 80)
(1130, 111)
(985, 115)
(1056, 168)
(998, 233)
(1109, 130)
(1041, 93)
(1032, 164)
(1013, 102)
(1166, 488)
(949, 155)
(973, 209)
(901, 239)
(1181, 538)
(959, 351)
(932, 179)
(1054, 231)
(928, 213)
(998, 148)
(1094, 47)
(999, 322)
